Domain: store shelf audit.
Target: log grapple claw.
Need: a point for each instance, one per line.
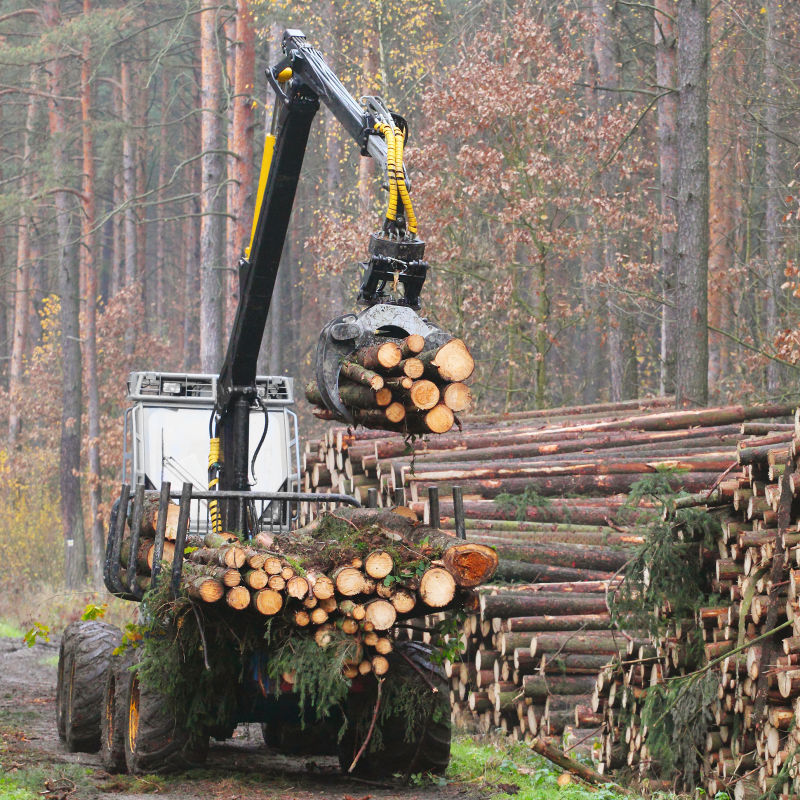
(342, 336)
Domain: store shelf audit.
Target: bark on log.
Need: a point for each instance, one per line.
(410, 367)
(566, 484)
(549, 622)
(378, 357)
(361, 375)
(601, 559)
(412, 345)
(353, 395)
(596, 642)
(540, 603)
(511, 570)
(204, 588)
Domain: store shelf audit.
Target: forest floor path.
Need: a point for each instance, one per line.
(34, 762)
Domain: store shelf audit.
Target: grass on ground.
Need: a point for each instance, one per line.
(507, 770)
(9, 631)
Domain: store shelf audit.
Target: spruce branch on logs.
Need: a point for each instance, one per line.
(353, 572)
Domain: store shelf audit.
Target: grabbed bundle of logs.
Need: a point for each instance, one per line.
(409, 385)
(353, 572)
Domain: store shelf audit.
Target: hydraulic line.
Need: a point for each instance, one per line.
(388, 135)
(214, 467)
(400, 178)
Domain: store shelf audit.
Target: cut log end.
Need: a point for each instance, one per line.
(268, 602)
(380, 614)
(437, 588)
(238, 597)
(470, 563)
(378, 564)
(457, 397)
(439, 419)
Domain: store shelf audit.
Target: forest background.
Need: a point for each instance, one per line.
(602, 185)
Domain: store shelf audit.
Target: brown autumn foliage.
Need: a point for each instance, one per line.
(31, 545)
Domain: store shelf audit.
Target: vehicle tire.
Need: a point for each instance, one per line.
(115, 706)
(61, 694)
(429, 747)
(154, 740)
(82, 664)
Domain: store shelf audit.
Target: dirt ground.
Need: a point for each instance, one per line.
(237, 769)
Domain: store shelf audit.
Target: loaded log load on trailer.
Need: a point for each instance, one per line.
(240, 573)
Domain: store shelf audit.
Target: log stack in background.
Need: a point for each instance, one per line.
(751, 746)
(402, 385)
(540, 656)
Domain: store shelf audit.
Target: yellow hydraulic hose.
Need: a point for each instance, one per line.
(213, 480)
(386, 130)
(411, 220)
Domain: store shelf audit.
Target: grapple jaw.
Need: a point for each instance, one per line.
(344, 335)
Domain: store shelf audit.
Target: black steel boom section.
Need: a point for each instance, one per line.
(300, 80)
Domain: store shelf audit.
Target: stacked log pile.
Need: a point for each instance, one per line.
(751, 636)
(379, 569)
(403, 385)
(533, 652)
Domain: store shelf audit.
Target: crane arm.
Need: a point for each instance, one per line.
(301, 80)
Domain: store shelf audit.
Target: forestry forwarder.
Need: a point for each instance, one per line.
(100, 701)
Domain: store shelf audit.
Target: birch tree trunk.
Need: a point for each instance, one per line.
(211, 196)
(68, 289)
(692, 287)
(665, 54)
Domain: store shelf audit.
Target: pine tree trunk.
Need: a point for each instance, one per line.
(128, 187)
(240, 206)
(22, 277)
(68, 289)
(89, 269)
(144, 283)
(665, 56)
(773, 213)
(211, 220)
(692, 286)
(162, 235)
(722, 178)
(621, 349)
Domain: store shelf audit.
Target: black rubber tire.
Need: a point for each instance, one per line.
(85, 654)
(154, 741)
(115, 706)
(429, 748)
